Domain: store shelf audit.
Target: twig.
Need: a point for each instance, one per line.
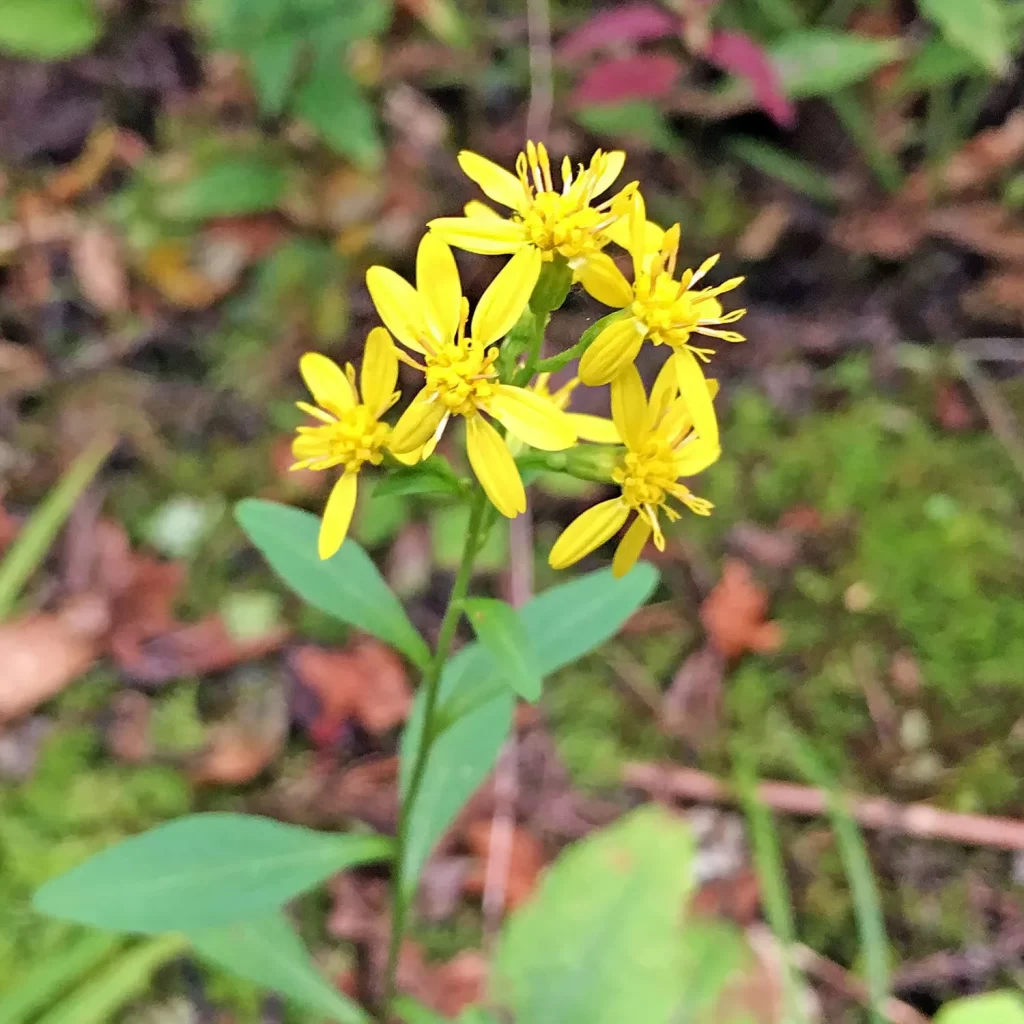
(920, 820)
(538, 24)
(949, 968)
(850, 986)
(999, 415)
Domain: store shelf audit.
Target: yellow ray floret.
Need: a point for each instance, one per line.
(460, 377)
(567, 221)
(349, 432)
(661, 446)
(659, 309)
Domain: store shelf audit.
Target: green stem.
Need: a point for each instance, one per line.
(856, 121)
(431, 685)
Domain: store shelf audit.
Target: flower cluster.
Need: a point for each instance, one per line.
(485, 368)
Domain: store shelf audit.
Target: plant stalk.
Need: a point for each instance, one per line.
(432, 686)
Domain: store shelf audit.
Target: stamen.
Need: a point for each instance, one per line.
(705, 267)
(566, 175)
(545, 164)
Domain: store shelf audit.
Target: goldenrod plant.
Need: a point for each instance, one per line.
(221, 880)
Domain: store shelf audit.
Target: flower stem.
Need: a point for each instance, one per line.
(431, 685)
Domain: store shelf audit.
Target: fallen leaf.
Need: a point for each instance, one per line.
(691, 706)
(952, 409)
(890, 231)
(457, 984)
(45, 652)
(987, 227)
(85, 172)
(98, 264)
(642, 76)
(775, 549)
(763, 233)
(366, 683)
(128, 735)
(999, 296)
(168, 268)
(981, 161)
(734, 613)
(367, 791)
(22, 369)
(736, 897)
(525, 861)
(801, 519)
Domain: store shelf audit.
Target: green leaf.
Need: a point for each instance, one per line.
(475, 708)
(48, 29)
(272, 65)
(127, 978)
(783, 166)
(600, 943)
(229, 187)
(335, 105)
(202, 871)
(991, 1008)
(55, 974)
(634, 121)
(267, 951)
(37, 535)
(434, 476)
(499, 628)
(347, 586)
(816, 62)
(976, 26)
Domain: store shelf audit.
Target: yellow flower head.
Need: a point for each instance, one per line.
(661, 446)
(588, 427)
(659, 308)
(460, 376)
(554, 221)
(349, 432)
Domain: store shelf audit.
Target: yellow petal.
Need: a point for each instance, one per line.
(587, 532)
(694, 391)
(611, 167)
(604, 281)
(506, 296)
(638, 234)
(337, 515)
(379, 373)
(490, 236)
(630, 547)
(629, 407)
(327, 382)
(664, 392)
(399, 306)
(418, 424)
(695, 456)
(475, 209)
(409, 458)
(437, 282)
(594, 428)
(620, 232)
(676, 420)
(494, 467)
(532, 418)
(496, 183)
(614, 348)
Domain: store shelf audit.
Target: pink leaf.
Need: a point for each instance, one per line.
(633, 23)
(645, 76)
(739, 54)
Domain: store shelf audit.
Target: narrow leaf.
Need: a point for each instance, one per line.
(636, 121)
(783, 166)
(202, 871)
(613, 900)
(434, 476)
(990, 1008)
(272, 67)
(978, 27)
(499, 628)
(347, 586)
(267, 951)
(228, 187)
(36, 536)
(334, 104)
(629, 23)
(642, 76)
(816, 62)
(127, 978)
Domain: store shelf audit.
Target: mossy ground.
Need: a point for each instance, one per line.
(924, 523)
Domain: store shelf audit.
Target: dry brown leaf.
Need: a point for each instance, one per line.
(367, 791)
(98, 264)
(692, 704)
(167, 267)
(980, 162)
(525, 861)
(85, 172)
(366, 682)
(736, 897)
(891, 231)
(43, 653)
(987, 227)
(762, 234)
(801, 519)
(952, 409)
(734, 613)
(22, 369)
(1000, 296)
(128, 735)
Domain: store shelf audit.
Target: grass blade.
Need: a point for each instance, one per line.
(35, 537)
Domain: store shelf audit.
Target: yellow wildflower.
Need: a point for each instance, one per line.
(461, 379)
(553, 221)
(661, 309)
(588, 427)
(661, 446)
(350, 432)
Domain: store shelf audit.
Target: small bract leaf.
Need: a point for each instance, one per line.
(499, 628)
(202, 871)
(347, 586)
(266, 950)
